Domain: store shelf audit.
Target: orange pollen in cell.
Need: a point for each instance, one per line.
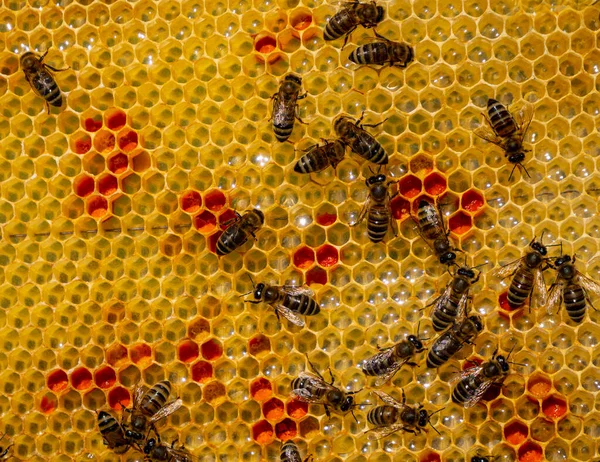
(539, 386)
(286, 429)
(273, 409)
(261, 389)
(262, 432)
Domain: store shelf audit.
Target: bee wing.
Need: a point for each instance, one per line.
(181, 455)
(555, 296)
(314, 382)
(507, 270)
(390, 372)
(540, 297)
(463, 374)
(523, 118)
(166, 410)
(588, 284)
(387, 399)
(290, 315)
(476, 397)
(487, 134)
(462, 304)
(138, 393)
(297, 290)
(377, 433)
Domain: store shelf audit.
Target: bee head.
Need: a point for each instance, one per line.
(134, 435)
(447, 258)
(376, 179)
(466, 272)
(562, 260)
(416, 342)
(516, 157)
(149, 445)
(423, 418)
(261, 216)
(294, 78)
(503, 363)
(29, 60)
(347, 404)
(477, 321)
(258, 292)
(539, 247)
(479, 459)
(380, 14)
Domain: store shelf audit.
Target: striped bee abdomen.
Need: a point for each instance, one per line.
(339, 25)
(383, 416)
(442, 318)
(368, 147)
(155, 399)
(283, 130)
(371, 53)
(232, 238)
(301, 304)
(311, 162)
(289, 452)
(376, 368)
(428, 220)
(466, 388)
(501, 120)
(378, 221)
(520, 288)
(575, 302)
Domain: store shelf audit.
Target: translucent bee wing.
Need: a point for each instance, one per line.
(507, 270)
(290, 315)
(475, 370)
(540, 292)
(387, 399)
(523, 117)
(298, 290)
(390, 372)
(476, 397)
(181, 455)
(363, 212)
(316, 382)
(378, 433)
(487, 134)
(441, 301)
(555, 296)
(138, 393)
(166, 410)
(462, 304)
(588, 284)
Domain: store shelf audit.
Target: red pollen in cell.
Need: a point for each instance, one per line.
(93, 124)
(301, 19)
(273, 409)
(286, 429)
(97, 206)
(435, 184)
(140, 353)
(472, 200)
(211, 350)
(115, 119)
(128, 140)
(554, 406)
(327, 255)
(104, 141)
(198, 327)
(48, 404)
(81, 378)
(258, 344)
(516, 432)
(227, 218)
(107, 185)
(119, 398)
(472, 363)
(503, 301)
(84, 185)
(118, 163)
(400, 208)
(58, 381)
(262, 432)
(409, 186)
(202, 371)
(105, 377)
(460, 222)
(265, 43)
(116, 355)
(530, 452)
(316, 275)
(81, 143)
(326, 219)
(188, 351)
(304, 257)
(296, 408)
(215, 200)
(205, 222)
(191, 201)
(261, 389)
(430, 456)
(539, 385)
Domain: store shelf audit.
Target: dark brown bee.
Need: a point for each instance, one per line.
(383, 52)
(507, 131)
(390, 360)
(290, 453)
(453, 302)
(4, 451)
(527, 277)
(472, 383)
(318, 158)
(352, 134)
(572, 287)
(148, 408)
(285, 107)
(479, 458)
(452, 340)
(159, 452)
(377, 209)
(395, 416)
(112, 433)
(239, 231)
(313, 389)
(39, 75)
(430, 223)
(349, 18)
(289, 301)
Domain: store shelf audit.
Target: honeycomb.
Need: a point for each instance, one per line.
(110, 209)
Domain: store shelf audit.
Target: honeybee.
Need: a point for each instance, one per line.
(289, 301)
(472, 383)
(507, 131)
(313, 389)
(527, 276)
(452, 340)
(453, 302)
(160, 452)
(239, 230)
(349, 18)
(383, 52)
(39, 75)
(4, 451)
(318, 158)
(112, 433)
(290, 453)
(352, 134)
(390, 360)
(430, 224)
(377, 209)
(285, 107)
(572, 287)
(148, 408)
(480, 458)
(395, 416)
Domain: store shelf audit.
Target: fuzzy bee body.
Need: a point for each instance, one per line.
(377, 209)
(239, 231)
(388, 361)
(572, 287)
(285, 106)
(430, 224)
(474, 382)
(359, 140)
(350, 17)
(156, 451)
(288, 301)
(290, 453)
(452, 340)
(318, 158)
(383, 52)
(112, 433)
(453, 302)
(39, 76)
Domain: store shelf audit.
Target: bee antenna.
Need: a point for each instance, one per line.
(511, 172)
(352, 412)
(521, 166)
(429, 420)
(251, 280)
(517, 364)
(510, 352)
(481, 265)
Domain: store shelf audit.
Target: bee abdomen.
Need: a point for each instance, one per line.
(371, 53)
(302, 304)
(520, 288)
(289, 452)
(283, 131)
(378, 223)
(155, 399)
(465, 389)
(375, 368)
(369, 148)
(383, 416)
(574, 298)
(107, 423)
(311, 162)
(231, 239)
(500, 119)
(442, 318)
(338, 26)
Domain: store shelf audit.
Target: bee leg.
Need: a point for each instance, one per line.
(308, 458)
(327, 413)
(394, 226)
(314, 368)
(380, 36)
(375, 125)
(303, 96)
(298, 117)
(361, 217)
(413, 364)
(347, 37)
(332, 377)
(44, 55)
(56, 70)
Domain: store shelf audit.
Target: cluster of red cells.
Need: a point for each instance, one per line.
(272, 45)
(107, 141)
(279, 418)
